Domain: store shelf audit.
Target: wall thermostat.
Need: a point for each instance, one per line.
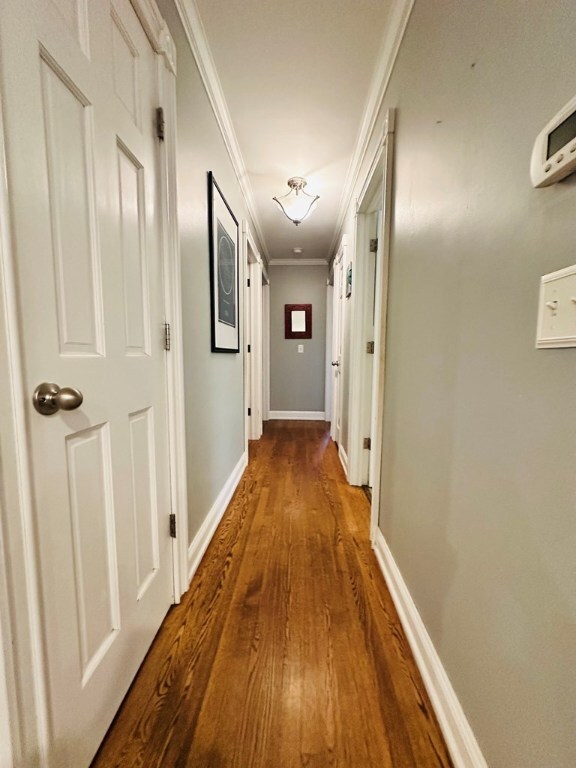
(554, 153)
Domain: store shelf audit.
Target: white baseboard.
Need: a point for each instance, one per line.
(297, 415)
(343, 456)
(200, 542)
(456, 729)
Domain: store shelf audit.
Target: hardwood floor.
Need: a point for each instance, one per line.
(287, 650)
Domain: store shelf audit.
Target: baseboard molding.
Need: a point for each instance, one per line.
(456, 729)
(297, 415)
(204, 536)
(343, 456)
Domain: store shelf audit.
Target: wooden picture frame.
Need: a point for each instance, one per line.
(224, 293)
(297, 321)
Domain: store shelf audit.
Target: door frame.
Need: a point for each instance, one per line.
(338, 321)
(21, 623)
(253, 367)
(329, 339)
(23, 698)
(265, 345)
(378, 176)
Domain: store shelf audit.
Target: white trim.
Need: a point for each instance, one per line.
(156, 31)
(204, 536)
(194, 29)
(253, 395)
(6, 749)
(265, 278)
(456, 729)
(343, 456)
(30, 734)
(386, 60)
(173, 315)
(381, 319)
(328, 375)
(356, 351)
(265, 350)
(375, 195)
(297, 415)
(298, 263)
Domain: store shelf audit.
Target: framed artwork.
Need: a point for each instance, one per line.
(223, 237)
(297, 321)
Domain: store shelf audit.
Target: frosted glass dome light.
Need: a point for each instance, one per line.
(297, 204)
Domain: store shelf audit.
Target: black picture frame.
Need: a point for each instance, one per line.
(224, 282)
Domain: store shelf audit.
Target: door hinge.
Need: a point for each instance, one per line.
(160, 123)
(370, 347)
(248, 348)
(248, 282)
(167, 337)
(173, 526)
(373, 245)
(249, 411)
(367, 443)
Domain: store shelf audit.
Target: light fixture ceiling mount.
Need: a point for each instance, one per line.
(297, 204)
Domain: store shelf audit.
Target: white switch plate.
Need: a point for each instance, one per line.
(557, 309)
(300, 347)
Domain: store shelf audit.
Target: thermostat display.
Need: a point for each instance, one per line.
(554, 153)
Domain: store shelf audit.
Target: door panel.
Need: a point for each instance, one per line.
(69, 155)
(93, 544)
(337, 357)
(131, 184)
(79, 85)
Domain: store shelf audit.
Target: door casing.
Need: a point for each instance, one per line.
(379, 177)
(253, 366)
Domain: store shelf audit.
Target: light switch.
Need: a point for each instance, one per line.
(557, 309)
(300, 347)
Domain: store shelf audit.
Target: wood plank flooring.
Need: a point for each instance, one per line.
(286, 651)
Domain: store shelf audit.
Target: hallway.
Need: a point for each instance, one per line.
(286, 651)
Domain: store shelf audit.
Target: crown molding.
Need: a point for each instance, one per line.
(194, 29)
(401, 11)
(298, 263)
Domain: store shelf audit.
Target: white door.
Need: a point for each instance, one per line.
(337, 332)
(248, 352)
(79, 86)
(369, 307)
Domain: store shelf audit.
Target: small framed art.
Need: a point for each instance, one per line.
(297, 321)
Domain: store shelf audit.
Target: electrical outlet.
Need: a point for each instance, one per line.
(300, 347)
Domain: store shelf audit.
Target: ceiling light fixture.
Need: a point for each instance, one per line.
(297, 204)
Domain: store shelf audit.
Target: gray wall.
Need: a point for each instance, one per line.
(297, 381)
(478, 499)
(214, 381)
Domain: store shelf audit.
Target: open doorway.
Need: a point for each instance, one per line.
(253, 336)
(368, 323)
(337, 358)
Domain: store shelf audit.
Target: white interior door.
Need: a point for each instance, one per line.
(371, 223)
(80, 89)
(337, 333)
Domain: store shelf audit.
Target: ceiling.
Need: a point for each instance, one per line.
(295, 77)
